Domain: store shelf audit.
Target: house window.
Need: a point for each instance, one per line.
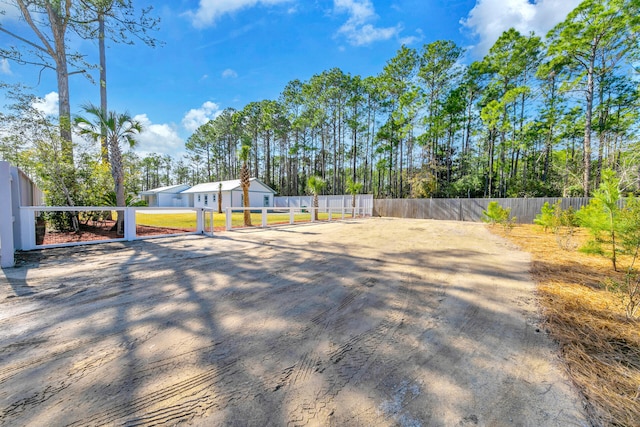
(266, 201)
(198, 198)
(213, 198)
(206, 200)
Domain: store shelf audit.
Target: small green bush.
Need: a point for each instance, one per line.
(592, 247)
(546, 218)
(496, 214)
(602, 215)
(561, 222)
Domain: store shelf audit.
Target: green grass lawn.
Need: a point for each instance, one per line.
(181, 220)
(188, 220)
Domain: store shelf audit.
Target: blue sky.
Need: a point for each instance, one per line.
(226, 53)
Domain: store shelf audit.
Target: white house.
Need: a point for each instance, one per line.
(170, 196)
(206, 195)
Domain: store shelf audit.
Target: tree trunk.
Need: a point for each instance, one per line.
(103, 86)
(315, 206)
(587, 126)
(118, 179)
(244, 180)
(267, 158)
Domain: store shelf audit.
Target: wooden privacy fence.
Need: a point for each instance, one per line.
(524, 209)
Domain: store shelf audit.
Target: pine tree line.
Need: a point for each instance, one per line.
(532, 118)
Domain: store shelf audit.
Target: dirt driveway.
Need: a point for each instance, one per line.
(368, 323)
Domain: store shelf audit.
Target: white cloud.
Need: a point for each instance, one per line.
(196, 117)
(229, 74)
(210, 10)
(157, 138)
(409, 40)
(5, 67)
(48, 105)
(358, 29)
(490, 18)
(11, 12)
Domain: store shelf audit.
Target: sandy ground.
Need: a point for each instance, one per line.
(373, 322)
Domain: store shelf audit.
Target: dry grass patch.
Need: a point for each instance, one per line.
(600, 346)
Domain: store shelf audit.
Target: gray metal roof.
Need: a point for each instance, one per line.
(234, 184)
(168, 189)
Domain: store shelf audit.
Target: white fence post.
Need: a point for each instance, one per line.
(130, 224)
(200, 221)
(228, 219)
(291, 216)
(364, 202)
(28, 229)
(7, 249)
(264, 217)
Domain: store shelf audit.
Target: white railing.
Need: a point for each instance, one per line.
(95, 214)
(275, 216)
(94, 228)
(363, 201)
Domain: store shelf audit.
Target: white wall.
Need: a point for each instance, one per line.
(6, 217)
(212, 200)
(232, 199)
(16, 189)
(256, 199)
(173, 200)
(151, 199)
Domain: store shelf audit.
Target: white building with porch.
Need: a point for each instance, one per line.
(206, 195)
(167, 197)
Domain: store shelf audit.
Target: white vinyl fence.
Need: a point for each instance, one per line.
(364, 202)
(290, 215)
(16, 189)
(93, 222)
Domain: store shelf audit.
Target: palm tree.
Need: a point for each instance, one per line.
(353, 188)
(120, 128)
(243, 154)
(315, 185)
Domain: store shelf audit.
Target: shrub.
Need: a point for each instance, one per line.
(602, 215)
(592, 247)
(629, 292)
(546, 217)
(496, 214)
(561, 222)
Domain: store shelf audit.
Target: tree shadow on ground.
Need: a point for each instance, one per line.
(263, 328)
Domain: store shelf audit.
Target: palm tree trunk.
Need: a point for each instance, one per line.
(244, 181)
(118, 179)
(315, 206)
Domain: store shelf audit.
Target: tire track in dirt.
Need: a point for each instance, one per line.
(324, 333)
(95, 361)
(216, 388)
(325, 317)
(346, 362)
(73, 370)
(191, 393)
